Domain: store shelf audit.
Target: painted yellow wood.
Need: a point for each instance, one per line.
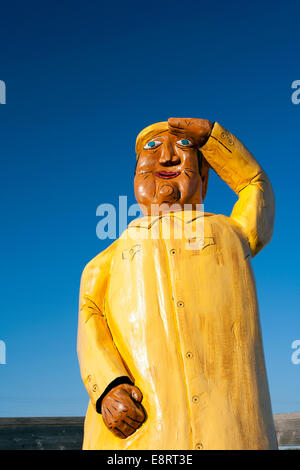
(179, 317)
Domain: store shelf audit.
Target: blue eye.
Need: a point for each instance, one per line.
(184, 143)
(152, 144)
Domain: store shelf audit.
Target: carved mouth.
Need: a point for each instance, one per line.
(167, 174)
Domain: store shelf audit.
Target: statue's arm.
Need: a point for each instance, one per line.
(101, 365)
(255, 209)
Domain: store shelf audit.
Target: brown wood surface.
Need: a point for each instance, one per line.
(66, 433)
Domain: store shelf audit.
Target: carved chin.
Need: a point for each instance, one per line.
(169, 193)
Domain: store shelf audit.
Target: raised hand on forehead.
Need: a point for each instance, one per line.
(197, 130)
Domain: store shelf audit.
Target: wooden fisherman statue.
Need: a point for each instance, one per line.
(169, 338)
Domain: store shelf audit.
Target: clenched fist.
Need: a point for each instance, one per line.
(122, 411)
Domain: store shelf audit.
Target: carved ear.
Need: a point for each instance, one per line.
(204, 176)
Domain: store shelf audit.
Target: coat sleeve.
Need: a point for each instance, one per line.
(255, 209)
(100, 362)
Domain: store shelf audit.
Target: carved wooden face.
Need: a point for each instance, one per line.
(167, 173)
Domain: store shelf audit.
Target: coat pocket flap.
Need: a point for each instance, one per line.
(199, 243)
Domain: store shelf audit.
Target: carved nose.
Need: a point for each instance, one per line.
(169, 160)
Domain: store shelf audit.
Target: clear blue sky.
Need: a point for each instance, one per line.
(83, 78)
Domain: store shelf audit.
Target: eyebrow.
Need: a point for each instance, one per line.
(161, 135)
(154, 138)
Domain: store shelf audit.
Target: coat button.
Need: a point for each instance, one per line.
(173, 251)
(95, 388)
(195, 399)
(199, 446)
(189, 355)
(180, 303)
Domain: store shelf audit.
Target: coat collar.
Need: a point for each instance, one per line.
(186, 216)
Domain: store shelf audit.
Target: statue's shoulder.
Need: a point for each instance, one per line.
(102, 261)
(224, 222)
(220, 219)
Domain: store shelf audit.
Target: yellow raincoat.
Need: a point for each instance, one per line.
(179, 317)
